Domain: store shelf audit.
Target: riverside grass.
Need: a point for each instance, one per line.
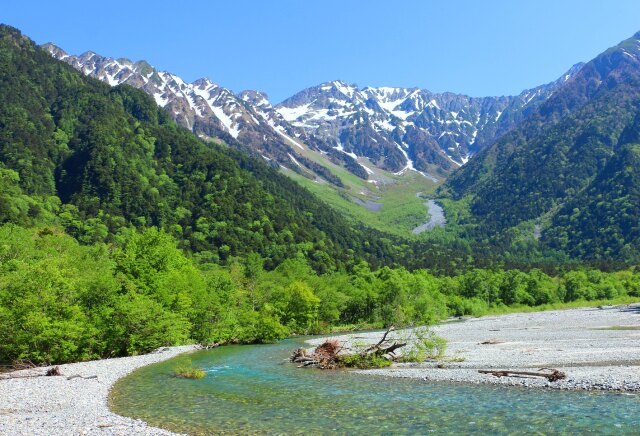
(189, 372)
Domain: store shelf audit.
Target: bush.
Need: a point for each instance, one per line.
(424, 345)
(368, 361)
(189, 372)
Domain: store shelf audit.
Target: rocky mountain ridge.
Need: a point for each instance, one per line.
(409, 128)
(396, 129)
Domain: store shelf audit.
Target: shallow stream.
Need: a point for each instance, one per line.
(436, 217)
(253, 389)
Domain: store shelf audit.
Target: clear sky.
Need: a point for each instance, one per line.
(475, 47)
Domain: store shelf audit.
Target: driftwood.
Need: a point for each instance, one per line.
(552, 376)
(392, 348)
(382, 347)
(51, 372)
(210, 345)
(55, 371)
(23, 364)
(10, 376)
(71, 377)
(326, 355)
(377, 346)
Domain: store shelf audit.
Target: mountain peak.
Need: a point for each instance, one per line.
(125, 61)
(256, 98)
(203, 83)
(56, 51)
(396, 128)
(630, 46)
(340, 86)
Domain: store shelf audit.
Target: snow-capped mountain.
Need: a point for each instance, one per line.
(396, 129)
(406, 128)
(204, 107)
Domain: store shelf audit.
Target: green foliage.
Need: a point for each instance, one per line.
(101, 161)
(189, 372)
(61, 301)
(121, 233)
(571, 168)
(602, 221)
(368, 361)
(423, 344)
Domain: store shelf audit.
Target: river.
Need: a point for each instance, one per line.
(436, 217)
(253, 389)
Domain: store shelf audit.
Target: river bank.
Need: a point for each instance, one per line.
(57, 406)
(597, 348)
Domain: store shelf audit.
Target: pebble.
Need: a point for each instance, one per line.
(572, 341)
(51, 406)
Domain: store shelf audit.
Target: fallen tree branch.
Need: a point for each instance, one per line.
(491, 342)
(377, 346)
(392, 348)
(9, 376)
(53, 371)
(71, 377)
(330, 354)
(554, 375)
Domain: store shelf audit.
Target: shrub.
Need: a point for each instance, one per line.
(368, 361)
(424, 345)
(189, 372)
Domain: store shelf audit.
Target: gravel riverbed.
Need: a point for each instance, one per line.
(597, 349)
(57, 406)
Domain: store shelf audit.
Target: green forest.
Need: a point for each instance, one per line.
(570, 168)
(63, 301)
(121, 232)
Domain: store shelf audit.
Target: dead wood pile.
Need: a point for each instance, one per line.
(330, 354)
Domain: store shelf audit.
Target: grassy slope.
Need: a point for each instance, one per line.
(401, 209)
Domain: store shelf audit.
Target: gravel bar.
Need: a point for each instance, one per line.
(597, 348)
(57, 406)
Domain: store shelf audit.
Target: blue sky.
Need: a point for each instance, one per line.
(479, 48)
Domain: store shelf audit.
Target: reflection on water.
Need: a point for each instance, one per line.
(253, 389)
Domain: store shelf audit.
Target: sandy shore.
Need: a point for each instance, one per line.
(597, 348)
(57, 406)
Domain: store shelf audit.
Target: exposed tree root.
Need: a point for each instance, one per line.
(328, 354)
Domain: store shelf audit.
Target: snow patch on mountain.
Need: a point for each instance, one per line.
(395, 128)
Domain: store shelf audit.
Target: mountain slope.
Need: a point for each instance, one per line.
(207, 109)
(401, 128)
(100, 160)
(602, 222)
(396, 129)
(555, 155)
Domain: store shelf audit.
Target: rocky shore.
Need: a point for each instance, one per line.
(597, 349)
(57, 406)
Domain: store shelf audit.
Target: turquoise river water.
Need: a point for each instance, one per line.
(253, 389)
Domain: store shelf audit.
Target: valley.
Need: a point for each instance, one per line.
(142, 213)
(353, 143)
